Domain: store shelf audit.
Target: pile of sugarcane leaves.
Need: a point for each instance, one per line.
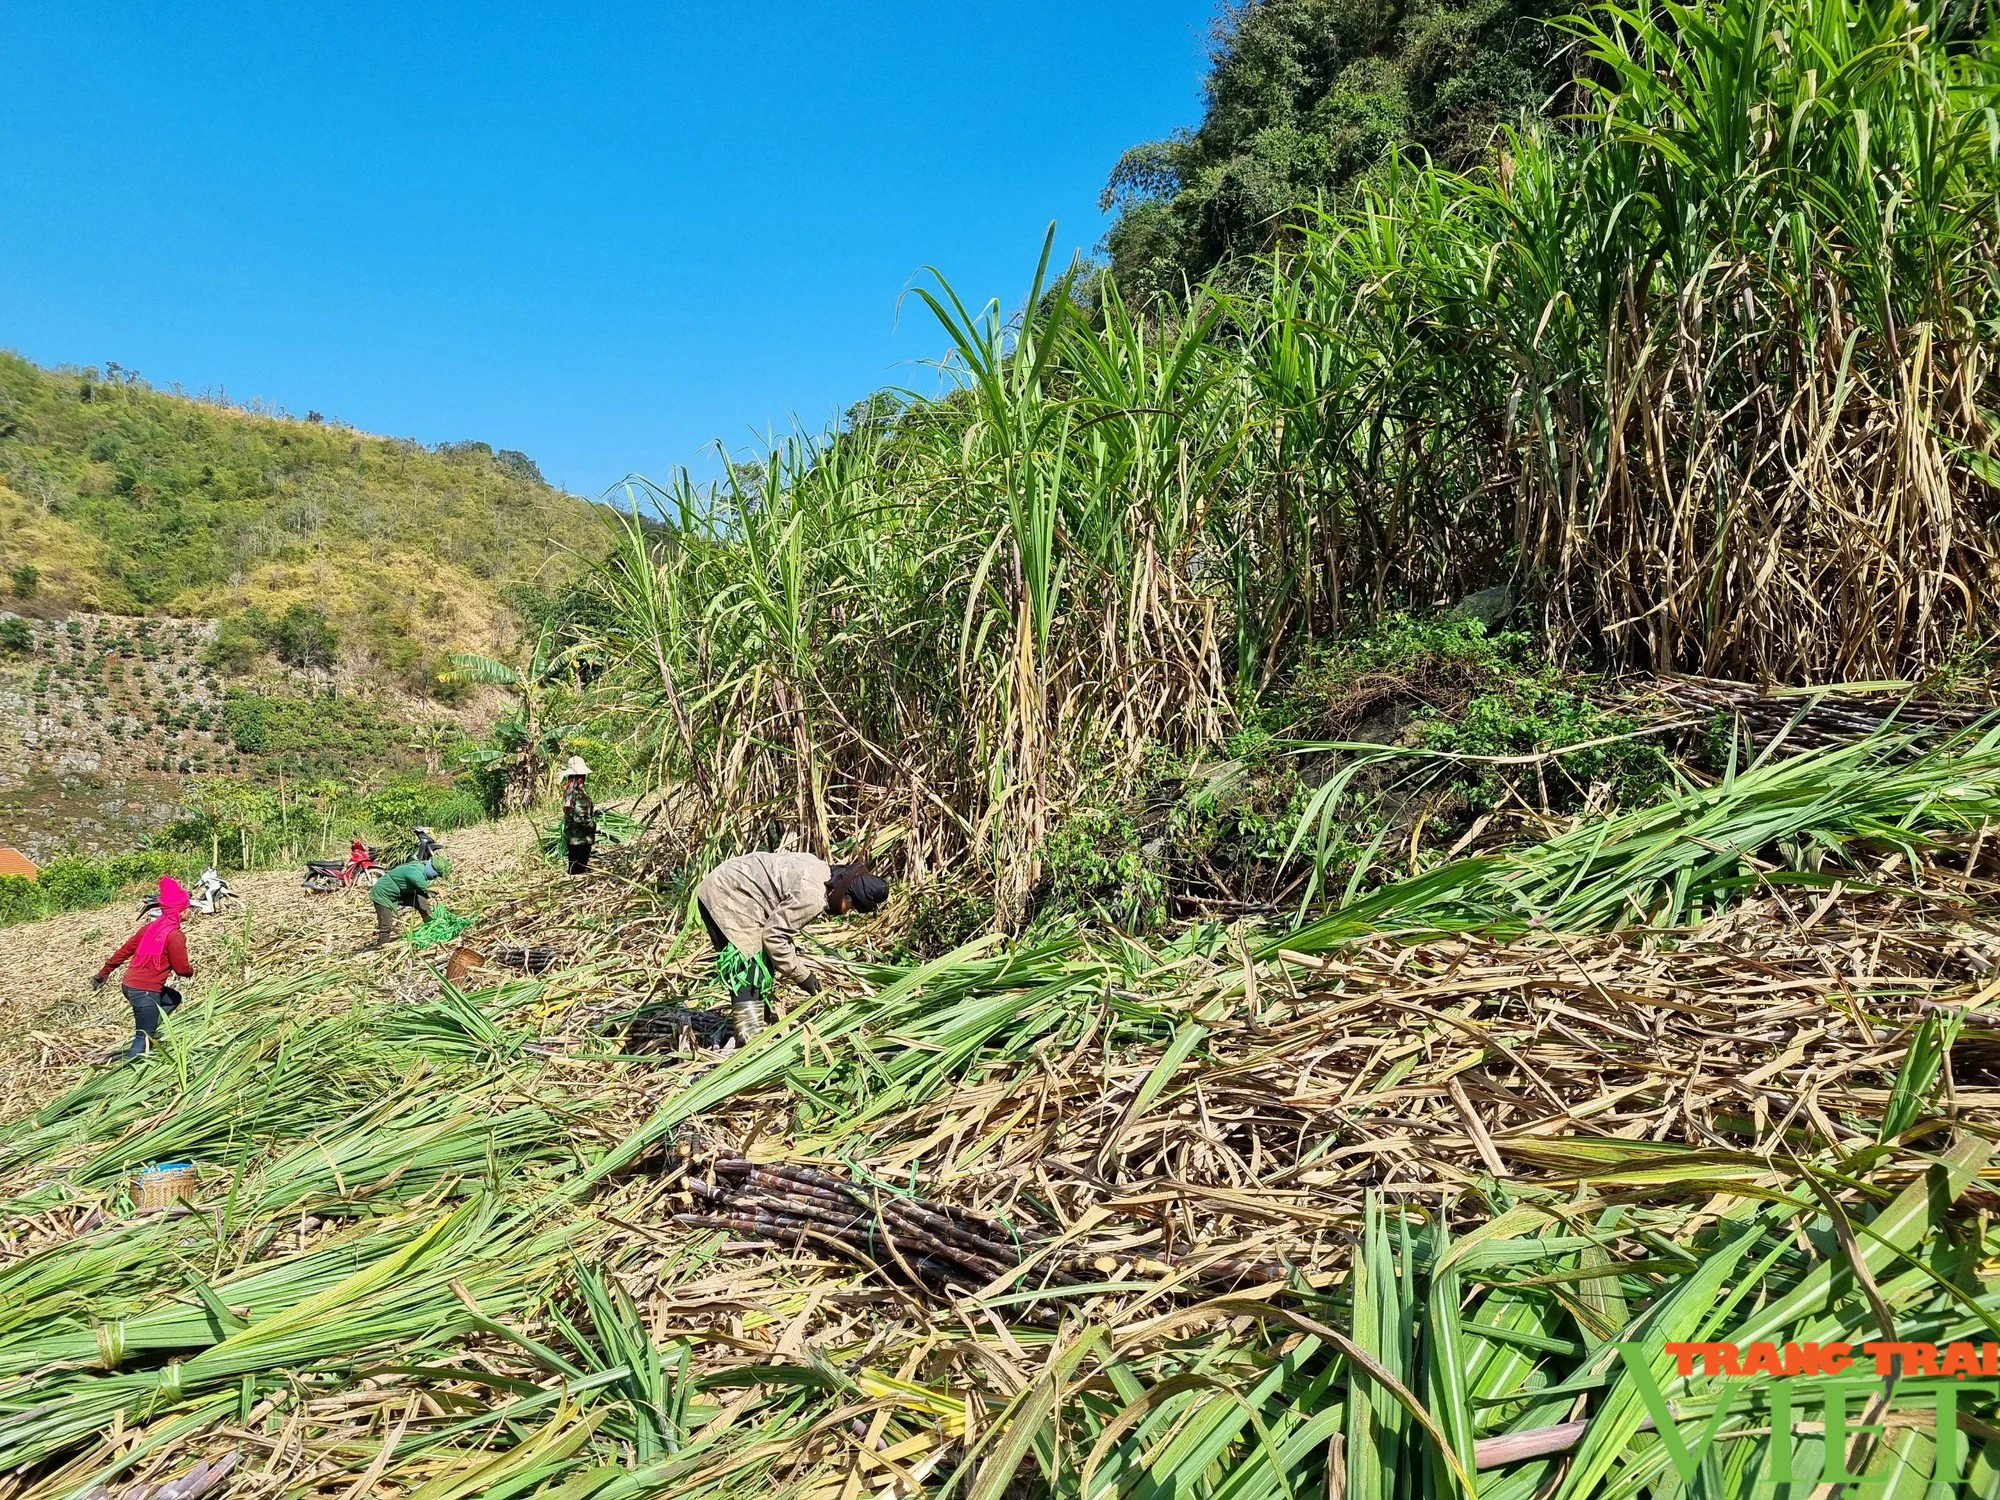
(1369, 1208)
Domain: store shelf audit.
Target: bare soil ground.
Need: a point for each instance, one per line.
(52, 1024)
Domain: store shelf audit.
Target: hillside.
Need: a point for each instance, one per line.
(114, 729)
(122, 499)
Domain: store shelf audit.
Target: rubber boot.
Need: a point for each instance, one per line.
(747, 1014)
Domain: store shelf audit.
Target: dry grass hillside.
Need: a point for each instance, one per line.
(119, 498)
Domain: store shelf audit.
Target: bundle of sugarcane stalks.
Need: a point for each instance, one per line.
(938, 1247)
(204, 1479)
(933, 1245)
(1812, 718)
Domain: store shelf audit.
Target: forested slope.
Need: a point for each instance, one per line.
(129, 500)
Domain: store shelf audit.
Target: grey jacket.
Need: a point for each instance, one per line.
(763, 901)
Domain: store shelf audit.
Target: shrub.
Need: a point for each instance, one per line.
(942, 916)
(72, 882)
(235, 647)
(15, 636)
(1533, 717)
(1406, 662)
(1093, 862)
(412, 803)
(303, 638)
(19, 899)
(27, 581)
(248, 724)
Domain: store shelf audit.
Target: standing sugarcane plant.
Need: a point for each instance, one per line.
(1702, 376)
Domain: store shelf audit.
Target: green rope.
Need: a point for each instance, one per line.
(740, 970)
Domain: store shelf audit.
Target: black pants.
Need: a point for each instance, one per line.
(145, 1019)
(714, 932)
(579, 858)
(744, 998)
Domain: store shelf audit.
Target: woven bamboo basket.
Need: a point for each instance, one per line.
(163, 1185)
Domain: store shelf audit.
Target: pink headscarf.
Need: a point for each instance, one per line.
(153, 941)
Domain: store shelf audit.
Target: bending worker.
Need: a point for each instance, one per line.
(406, 885)
(158, 951)
(579, 816)
(756, 905)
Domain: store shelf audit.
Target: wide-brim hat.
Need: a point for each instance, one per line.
(576, 767)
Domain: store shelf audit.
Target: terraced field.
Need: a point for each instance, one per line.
(103, 721)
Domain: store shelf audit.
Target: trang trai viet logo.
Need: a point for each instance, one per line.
(1826, 1385)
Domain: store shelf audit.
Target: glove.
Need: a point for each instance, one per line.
(810, 984)
(97, 981)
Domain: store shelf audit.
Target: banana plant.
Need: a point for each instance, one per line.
(527, 738)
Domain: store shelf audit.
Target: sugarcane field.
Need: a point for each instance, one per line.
(1348, 848)
(1401, 1181)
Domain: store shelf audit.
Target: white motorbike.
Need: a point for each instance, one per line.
(207, 897)
(210, 892)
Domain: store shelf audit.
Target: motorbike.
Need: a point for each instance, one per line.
(207, 897)
(210, 892)
(336, 874)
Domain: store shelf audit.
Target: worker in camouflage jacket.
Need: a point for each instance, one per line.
(579, 816)
(756, 905)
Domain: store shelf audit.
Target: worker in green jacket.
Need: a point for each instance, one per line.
(406, 885)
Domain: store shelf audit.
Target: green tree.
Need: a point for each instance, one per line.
(1303, 96)
(236, 644)
(27, 580)
(303, 638)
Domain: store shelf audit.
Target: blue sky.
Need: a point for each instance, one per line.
(607, 235)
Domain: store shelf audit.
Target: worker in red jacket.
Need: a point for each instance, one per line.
(158, 952)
